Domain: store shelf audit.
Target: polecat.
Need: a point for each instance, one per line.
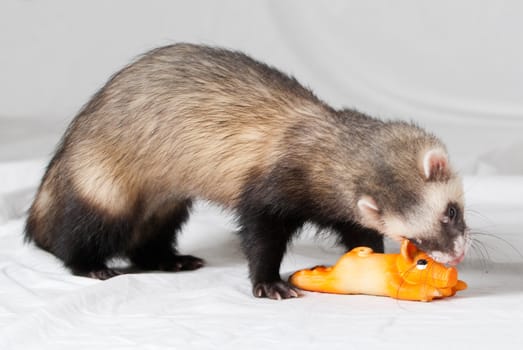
(187, 122)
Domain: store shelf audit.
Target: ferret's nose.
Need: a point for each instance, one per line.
(457, 260)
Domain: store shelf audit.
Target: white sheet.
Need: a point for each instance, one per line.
(42, 306)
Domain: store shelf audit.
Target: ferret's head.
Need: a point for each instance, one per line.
(419, 198)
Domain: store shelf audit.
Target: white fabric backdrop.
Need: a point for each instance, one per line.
(454, 67)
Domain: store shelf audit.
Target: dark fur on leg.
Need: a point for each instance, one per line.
(83, 236)
(264, 240)
(158, 238)
(352, 235)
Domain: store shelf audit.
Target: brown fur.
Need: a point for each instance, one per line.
(145, 142)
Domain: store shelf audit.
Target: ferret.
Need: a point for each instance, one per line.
(186, 122)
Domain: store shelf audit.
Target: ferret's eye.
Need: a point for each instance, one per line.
(452, 212)
(421, 264)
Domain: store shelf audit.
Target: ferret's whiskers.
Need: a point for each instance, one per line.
(503, 240)
(477, 213)
(481, 251)
(481, 246)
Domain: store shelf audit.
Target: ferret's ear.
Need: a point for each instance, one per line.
(368, 209)
(408, 250)
(435, 164)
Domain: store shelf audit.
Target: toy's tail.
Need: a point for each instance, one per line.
(318, 279)
(461, 285)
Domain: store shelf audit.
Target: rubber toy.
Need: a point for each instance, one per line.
(409, 275)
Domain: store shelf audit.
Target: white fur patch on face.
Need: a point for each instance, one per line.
(395, 228)
(436, 197)
(441, 257)
(460, 248)
(425, 220)
(439, 194)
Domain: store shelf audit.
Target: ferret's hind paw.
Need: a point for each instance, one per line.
(103, 274)
(181, 263)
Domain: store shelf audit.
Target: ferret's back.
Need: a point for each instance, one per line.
(193, 118)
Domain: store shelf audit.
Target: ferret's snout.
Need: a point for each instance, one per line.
(457, 260)
(446, 252)
(461, 245)
(454, 256)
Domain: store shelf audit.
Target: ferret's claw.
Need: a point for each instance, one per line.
(277, 290)
(103, 274)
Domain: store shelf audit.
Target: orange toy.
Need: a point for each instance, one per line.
(410, 275)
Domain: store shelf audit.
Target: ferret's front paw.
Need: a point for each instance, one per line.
(276, 290)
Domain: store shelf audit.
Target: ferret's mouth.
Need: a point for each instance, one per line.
(457, 260)
(450, 257)
(447, 259)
